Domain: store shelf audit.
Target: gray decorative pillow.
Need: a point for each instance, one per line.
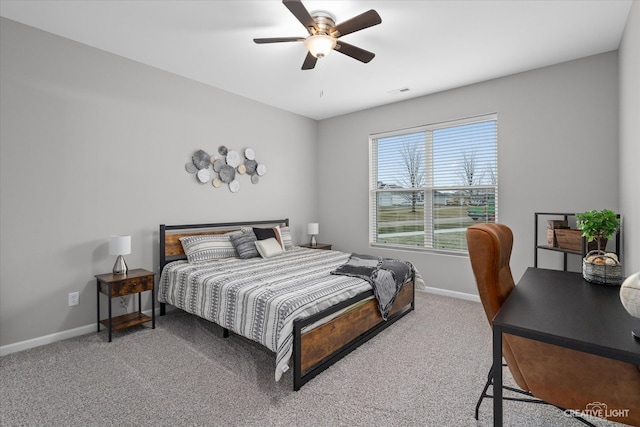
(245, 244)
(208, 247)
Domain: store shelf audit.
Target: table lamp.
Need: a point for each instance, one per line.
(120, 245)
(312, 228)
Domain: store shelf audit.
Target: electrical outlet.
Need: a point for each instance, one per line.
(74, 298)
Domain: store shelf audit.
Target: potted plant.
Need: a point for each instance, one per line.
(599, 266)
(598, 225)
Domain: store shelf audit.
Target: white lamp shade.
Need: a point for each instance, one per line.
(313, 227)
(320, 45)
(119, 245)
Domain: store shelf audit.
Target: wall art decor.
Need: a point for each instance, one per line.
(225, 167)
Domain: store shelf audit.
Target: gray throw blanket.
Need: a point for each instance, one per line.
(386, 276)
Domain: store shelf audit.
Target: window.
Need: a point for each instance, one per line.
(429, 183)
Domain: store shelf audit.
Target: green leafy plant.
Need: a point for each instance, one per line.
(597, 225)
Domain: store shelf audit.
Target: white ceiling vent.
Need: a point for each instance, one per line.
(397, 91)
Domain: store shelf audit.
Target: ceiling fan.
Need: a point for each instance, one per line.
(324, 34)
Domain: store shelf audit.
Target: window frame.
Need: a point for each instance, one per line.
(428, 188)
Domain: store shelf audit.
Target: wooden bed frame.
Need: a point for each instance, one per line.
(316, 349)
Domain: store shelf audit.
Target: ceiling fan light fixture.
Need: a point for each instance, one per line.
(320, 45)
(324, 35)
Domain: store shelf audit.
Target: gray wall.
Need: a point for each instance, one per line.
(93, 144)
(630, 138)
(557, 152)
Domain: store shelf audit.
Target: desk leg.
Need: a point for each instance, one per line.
(153, 310)
(98, 294)
(497, 376)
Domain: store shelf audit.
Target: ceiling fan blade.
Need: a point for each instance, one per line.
(309, 62)
(357, 23)
(302, 14)
(279, 40)
(354, 52)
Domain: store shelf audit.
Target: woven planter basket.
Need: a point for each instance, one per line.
(602, 274)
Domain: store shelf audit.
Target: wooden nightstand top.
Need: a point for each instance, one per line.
(133, 281)
(323, 246)
(131, 274)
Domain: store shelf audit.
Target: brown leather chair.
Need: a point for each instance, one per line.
(559, 376)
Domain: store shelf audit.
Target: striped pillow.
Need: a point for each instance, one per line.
(208, 247)
(285, 238)
(245, 244)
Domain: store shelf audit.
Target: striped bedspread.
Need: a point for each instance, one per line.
(260, 298)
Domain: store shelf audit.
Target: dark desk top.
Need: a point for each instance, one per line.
(562, 308)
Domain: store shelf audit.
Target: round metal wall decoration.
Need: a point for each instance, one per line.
(190, 167)
(203, 175)
(218, 164)
(233, 158)
(227, 174)
(226, 168)
(201, 159)
(251, 166)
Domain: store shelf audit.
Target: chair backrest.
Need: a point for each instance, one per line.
(490, 253)
(490, 248)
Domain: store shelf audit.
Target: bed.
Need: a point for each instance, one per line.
(290, 303)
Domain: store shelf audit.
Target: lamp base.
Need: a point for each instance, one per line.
(120, 267)
(636, 334)
(314, 242)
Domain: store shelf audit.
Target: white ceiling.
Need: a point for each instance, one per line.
(425, 46)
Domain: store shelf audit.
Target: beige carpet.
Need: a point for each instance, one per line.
(426, 370)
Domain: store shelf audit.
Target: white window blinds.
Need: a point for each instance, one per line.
(427, 184)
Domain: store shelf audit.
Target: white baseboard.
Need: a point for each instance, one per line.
(453, 294)
(58, 336)
(47, 339)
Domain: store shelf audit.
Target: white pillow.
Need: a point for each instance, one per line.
(268, 248)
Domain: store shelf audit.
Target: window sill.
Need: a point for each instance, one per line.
(434, 251)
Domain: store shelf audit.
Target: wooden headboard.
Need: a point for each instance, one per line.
(171, 248)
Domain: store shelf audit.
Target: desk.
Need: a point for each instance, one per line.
(561, 308)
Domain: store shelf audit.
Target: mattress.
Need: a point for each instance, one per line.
(260, 298)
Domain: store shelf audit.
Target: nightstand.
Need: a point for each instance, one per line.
(116, 285)
(322, 246)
